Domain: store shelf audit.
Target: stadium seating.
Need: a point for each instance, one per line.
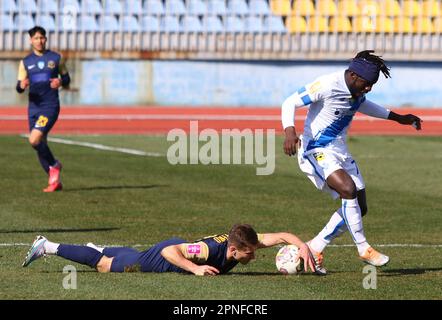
(150, 24)
(175, 7)
(259, 7)
(212, 24)
(132, 7)
(238, 7)
(48, 6)
(329, 18)
(340, 24)
(196, 7)
(191, 24)
(303, 8)
(69, 6)
(6, 22)
(296, 24)
(91, 7)
(47, 21)
(112, 7)
(216, 7)
(88, 24)
(109, 23)
(348, 8)
(27, 6)
(274, 24)
(23, 22)
(153, 7)
(326, 7)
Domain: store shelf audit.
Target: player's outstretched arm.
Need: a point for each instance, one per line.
(174, 255)
(407, 119)
(273, 239)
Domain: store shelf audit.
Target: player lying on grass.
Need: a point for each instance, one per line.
(208, 256)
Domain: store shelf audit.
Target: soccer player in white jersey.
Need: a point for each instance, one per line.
(322, 150)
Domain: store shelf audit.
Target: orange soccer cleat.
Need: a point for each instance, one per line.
(54, 173)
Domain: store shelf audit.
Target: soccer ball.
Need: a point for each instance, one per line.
(287, 260)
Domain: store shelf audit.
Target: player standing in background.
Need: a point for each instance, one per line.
(208, 256)
(323, 155)
(40, 71)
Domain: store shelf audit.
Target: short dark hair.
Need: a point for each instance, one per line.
(37, 29)
(243, 236)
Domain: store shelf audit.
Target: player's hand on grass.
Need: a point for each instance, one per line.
(205, 270)
(306, 255)
(291, 141)
(24, 83)
(55, 83)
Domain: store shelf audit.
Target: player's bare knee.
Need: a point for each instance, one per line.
(34, 141)
(104, 265)
(348, 191)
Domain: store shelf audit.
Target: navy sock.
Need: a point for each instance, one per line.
(81, 254)
(45, 156)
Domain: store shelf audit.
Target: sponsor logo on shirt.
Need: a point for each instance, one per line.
(41, 122)
(319, 156)
(194, 249)
(31, 67)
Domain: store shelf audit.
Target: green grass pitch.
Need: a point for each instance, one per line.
(120, 199)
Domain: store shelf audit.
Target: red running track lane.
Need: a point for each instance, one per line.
(160, 120)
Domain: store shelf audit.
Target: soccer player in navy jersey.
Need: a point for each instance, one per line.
(211, 255)
(44, 72)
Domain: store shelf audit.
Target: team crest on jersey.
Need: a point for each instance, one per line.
(319, 156)
(41, 65)
(51, 64)
(41, 122)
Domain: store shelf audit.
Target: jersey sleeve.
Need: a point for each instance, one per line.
(197, 252)
(372, 109)
(306, 95)
(22, 73)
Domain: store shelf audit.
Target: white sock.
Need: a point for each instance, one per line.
(333, 229)
(51, 247)
(351, 212)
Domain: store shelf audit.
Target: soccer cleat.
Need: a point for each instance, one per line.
(375, 258)
(53, 187)
(319, 261)
(54, 173)
(36, 251)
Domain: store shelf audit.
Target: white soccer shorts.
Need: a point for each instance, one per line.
(321, 163)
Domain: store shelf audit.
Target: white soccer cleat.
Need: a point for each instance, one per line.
(319, 261)
(375, 258)
(36, 251)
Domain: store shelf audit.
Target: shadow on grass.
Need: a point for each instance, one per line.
(94, 188)
(59, 230)
(404, 272)
(258, 273)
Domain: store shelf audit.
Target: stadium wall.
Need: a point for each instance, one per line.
(219, 83)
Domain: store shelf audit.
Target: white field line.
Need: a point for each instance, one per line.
(129, 117)
(103, 147)
(388, 245)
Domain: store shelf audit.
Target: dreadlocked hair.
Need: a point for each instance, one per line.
(367, 55)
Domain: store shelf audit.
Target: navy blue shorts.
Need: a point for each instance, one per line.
(150, 260)
(43, 120)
